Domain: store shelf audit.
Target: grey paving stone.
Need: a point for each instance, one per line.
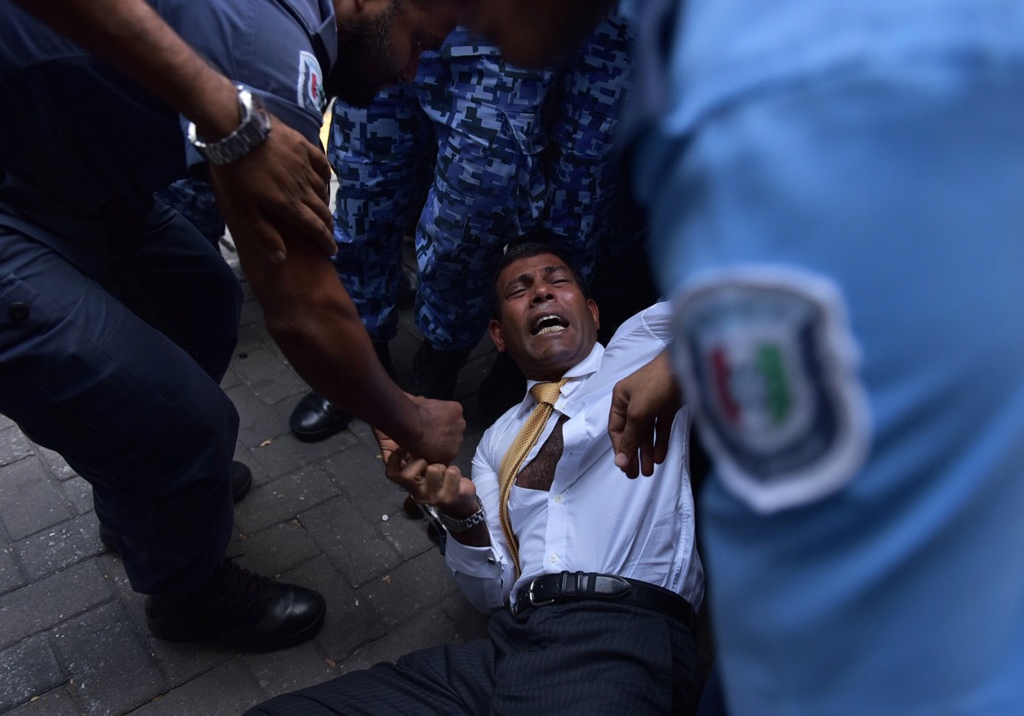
(60, 546)
(257, 420)
(42, 604)
(13, 445)
(29, 668)
(257, 363)
(425, 630)
(275, 550)
(410, 589)
(284, 498)
(112, 671)
(252, 314)
(250, 338)
(5, 422)
(282, 671)
(58, 702)
(230, 380)
(11, 577)
(350, 622)
(359, 472)
(276, 456)
(56, 464)
(29, 500)
(350, 542)
(407, 535)
(78, 493)
(226, 691)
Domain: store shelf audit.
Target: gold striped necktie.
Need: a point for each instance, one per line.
(546, 394)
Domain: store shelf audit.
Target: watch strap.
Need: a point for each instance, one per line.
(252, 130)
(455, 525)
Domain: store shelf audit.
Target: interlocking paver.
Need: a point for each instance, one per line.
(228, 689)
(274, 550)
(29, 499)
(40, 605)
(58, 702)
(113, 671)
(60, 546)
(411, 588)
(350, 542)
(284, 498)
(11, 577)
(13, 444)
(26, 669)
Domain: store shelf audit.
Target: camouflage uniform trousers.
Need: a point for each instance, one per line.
(462, 149)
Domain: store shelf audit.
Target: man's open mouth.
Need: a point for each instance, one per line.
(549, 323)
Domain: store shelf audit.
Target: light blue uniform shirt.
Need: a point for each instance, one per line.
(837, 197)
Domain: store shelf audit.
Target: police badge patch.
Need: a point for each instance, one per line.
(768, 361)
(311, 93)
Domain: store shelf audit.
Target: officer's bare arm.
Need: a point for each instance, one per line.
(314, 321)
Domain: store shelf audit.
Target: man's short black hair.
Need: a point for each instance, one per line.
(524, 249)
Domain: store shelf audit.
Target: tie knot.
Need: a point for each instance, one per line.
(547, 392)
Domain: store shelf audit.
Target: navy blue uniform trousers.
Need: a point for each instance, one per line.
(114, 335)
(577, 658)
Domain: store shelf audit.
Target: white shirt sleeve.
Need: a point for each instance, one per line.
(484, 574)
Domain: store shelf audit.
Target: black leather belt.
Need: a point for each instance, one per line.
(574, 586)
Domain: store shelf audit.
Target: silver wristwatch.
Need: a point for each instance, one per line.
(455, 526)
(251, 132)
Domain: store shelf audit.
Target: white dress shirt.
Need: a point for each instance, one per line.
(594, 518)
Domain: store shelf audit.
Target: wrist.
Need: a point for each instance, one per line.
(215, 109)
(464, 522)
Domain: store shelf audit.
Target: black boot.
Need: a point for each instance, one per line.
(435, 373)
(315, 418)
(239, 609)
(241, 483)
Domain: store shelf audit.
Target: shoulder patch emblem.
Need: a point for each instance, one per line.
(311, 93)
(770, 365)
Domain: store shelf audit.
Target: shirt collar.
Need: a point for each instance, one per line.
(586, 367)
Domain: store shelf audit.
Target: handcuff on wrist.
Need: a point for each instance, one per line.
(251, 132)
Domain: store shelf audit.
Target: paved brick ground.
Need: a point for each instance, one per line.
(73, 638)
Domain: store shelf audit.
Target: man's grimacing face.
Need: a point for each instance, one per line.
(379, 44)
(546, 324)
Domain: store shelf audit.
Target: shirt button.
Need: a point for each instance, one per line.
(558, 499)
(18, 311)
(553, 558)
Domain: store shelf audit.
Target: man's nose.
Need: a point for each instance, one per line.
(541, 292)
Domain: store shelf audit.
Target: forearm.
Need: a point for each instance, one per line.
(130, 36)
(313, 320)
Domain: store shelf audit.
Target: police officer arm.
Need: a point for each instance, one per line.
(285, 180)
(313, 320)
(644, 404)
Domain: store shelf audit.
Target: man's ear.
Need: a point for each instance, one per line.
(592, 305)
(494, 328)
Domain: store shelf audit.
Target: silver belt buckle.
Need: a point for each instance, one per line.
(533, 599)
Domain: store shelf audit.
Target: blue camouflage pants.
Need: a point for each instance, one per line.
(462, 147)
(496, 152)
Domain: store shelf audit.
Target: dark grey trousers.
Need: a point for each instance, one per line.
(584, 658)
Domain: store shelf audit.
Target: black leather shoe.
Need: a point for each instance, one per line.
(241, 483)
(315, 419)
(239, 609)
